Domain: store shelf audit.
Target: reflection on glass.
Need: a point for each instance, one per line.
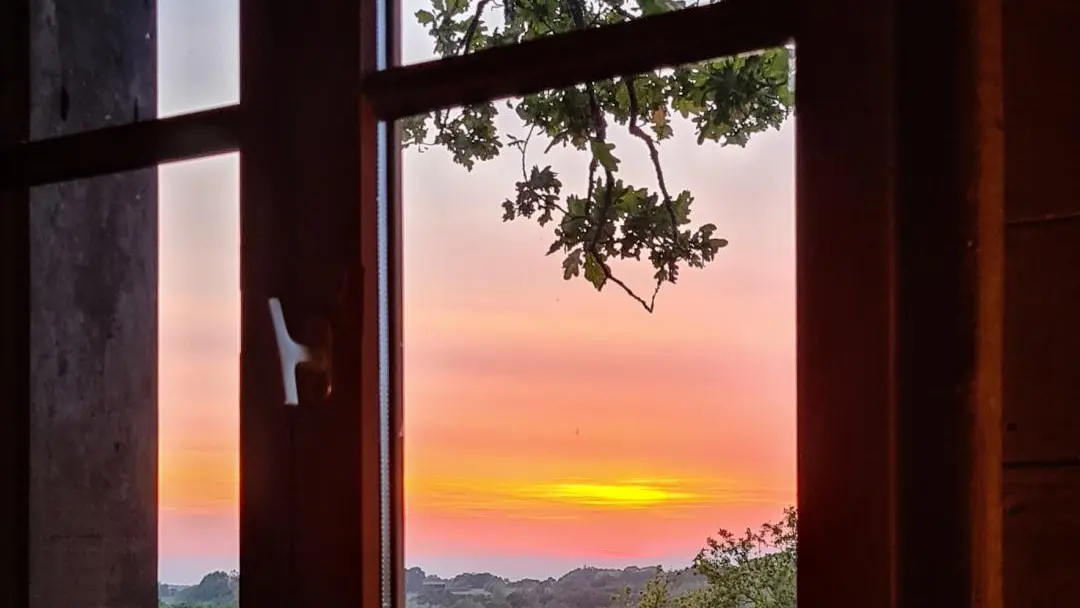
(93, 415)
(444, 28)
(599, 334)
(92, 65)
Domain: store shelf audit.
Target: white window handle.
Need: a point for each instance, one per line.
(291, 353)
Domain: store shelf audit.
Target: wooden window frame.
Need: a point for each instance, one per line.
(897, 348)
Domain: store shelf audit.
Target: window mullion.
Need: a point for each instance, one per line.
(693, 34)
(122, 148)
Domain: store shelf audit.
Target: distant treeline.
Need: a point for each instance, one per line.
(753, 570)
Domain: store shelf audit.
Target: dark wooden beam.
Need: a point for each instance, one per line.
(949, 265)
(843, 268)
(267, 492)
(118, 149)
(310, 495)
(14, 315)
(900, 267)
(693, 34)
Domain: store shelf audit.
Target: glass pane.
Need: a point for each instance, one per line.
(433, 29)
(101, 64)
(199, 402)
(599, 342)
(198, 55)
(134, 350)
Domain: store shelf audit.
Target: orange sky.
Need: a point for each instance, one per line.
(547, 426)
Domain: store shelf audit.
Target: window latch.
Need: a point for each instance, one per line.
(292, 355)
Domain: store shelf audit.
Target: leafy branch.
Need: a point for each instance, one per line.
(756, 569)
(726, 101)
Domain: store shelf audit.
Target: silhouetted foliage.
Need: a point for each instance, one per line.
(755, 570)
(609, 217)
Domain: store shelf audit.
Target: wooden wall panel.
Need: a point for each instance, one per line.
(1042, 342)
(1042, 536)
(1041, 116)
(1042, 304)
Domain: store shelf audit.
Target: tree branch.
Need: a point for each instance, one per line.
(577, 12)
(654, 154)
(473, 23)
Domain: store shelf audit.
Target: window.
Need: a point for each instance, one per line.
(321, 482)
(473, 79)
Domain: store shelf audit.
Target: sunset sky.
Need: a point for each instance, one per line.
(547, 426)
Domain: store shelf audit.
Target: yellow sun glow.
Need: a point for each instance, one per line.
(610, 495)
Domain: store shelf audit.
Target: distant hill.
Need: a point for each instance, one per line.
(585, 587)
(215, 590)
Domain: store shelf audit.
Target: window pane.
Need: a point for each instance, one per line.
(96, 64)
(199, 401)
(134, 350)
(433, 29)
(568, 428)
(198, 55)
